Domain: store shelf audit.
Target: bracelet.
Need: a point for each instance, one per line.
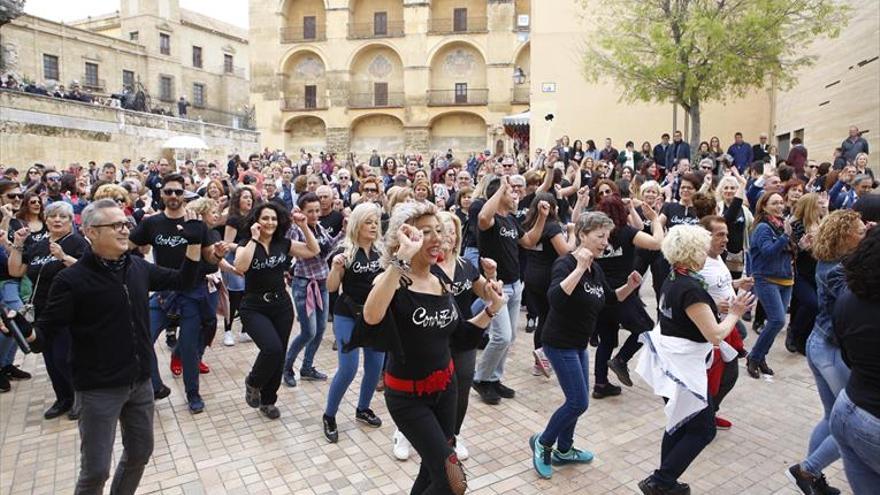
(489, 312)
(403, 266)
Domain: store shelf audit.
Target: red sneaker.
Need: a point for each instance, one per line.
(203, 368)
(722, 424)
(176, 366)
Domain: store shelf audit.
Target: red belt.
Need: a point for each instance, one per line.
(435, 382)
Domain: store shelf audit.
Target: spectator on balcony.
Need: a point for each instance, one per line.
(182, 105)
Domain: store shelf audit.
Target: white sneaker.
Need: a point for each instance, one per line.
(228, 339)
(542, 364)
(460, 450)
(401, 446)
(243, 338)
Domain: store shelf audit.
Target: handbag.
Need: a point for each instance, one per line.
(28, 312)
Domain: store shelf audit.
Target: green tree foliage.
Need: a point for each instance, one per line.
(693, 51)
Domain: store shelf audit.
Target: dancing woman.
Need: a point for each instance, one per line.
(266, 311)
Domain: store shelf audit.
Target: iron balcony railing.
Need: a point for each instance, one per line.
(521, 94)
(93, 84)
(457, 97)
(302, 104)
(366, 30)
(294, 34)
(375, 100)
(470, 24)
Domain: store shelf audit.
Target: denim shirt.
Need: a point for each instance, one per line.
(830, 282)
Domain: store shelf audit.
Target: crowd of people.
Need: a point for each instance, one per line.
(423, 267)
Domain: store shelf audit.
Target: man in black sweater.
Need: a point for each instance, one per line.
(103, 301)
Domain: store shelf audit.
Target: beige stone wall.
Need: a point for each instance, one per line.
(58, 132)
(839, 90)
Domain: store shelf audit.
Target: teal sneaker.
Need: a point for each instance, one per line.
(573, 456)
(541, 457)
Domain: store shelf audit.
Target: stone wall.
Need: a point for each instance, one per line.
(58, 132)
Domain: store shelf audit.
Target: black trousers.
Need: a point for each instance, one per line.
(427, 421)
(659, 268)
(535, 295)
(269, 324)
(680, 448)
(465, 362)
(629, 314)
(58, 366)
(235, 297)
(728, 380)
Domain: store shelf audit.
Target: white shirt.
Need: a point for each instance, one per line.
(719, 281)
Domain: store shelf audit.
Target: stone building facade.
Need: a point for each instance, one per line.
(391, 75)
(170, 51)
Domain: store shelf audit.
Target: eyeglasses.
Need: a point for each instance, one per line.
(15, 195)
(35, 202)
(706, 168)
(507, 165)
(370, 190)
(175, 192)
(120, 200)
(812, 166)
(604, 192)
(117, 226)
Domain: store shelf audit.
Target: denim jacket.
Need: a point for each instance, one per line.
(830, 282)
(770, 253)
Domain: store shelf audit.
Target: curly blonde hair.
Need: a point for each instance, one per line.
(408, 213)
(834, 239)
(686, 246)
(451, 218)
(114, 192)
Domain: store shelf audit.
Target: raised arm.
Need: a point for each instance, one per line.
(337, 270)
(486, 217)
(531, 238)
(309, 248)
(387, 283)
(714, 332)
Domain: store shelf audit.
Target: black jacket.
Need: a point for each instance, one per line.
(107, 314)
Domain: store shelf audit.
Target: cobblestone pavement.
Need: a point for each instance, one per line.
(231, 448)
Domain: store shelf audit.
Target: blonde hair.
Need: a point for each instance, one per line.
(358, 216)
(405, 213)
(480, 190)
(651, 184)
(833, 240)
(686, 245)
(723, 182)
(807, 210)
(112, 191)
(203, 205)
(447, 217)
(397, 195)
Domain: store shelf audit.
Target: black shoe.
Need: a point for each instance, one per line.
(330, 431)
(503, 391)
(171, 337)
(594, 340)
(790, 345)
(161, 393)
(820, 486)
(649, 486)
(5, 386)
(270, 411)
(58, 408)
(619, 368)
(251, 395)
(487, 392)
(607, 390)
(757, 327)
(367, 417)
(73, 414)
(312, 375)
(765, 369)
(13, 372)
(747, 316)
(753, 369)
(531, 325)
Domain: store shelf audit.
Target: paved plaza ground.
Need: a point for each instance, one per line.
(231, 448)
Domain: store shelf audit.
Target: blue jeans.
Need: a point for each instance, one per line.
(858, 434)
(348, 364)
(832, 375)
(775, 299)
(502, 333)
(572, 368)
(472, 254)
(311, 326)
(12, 300)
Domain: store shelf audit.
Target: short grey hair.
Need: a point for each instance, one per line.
(56, 207)
(94, 212)
(861, 178)
(707, 161)
(590, 221)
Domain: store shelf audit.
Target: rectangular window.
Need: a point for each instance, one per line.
(310, 25)
(128, 79)
(133, 36)
(91, 75)
(198, 95)
(50, 67)
(311, 100)
(461, 93)
(380, 23)
(164, 44)
(459, 20)
(228, 63)
(166, 88)
(380, 94)
(197, 57)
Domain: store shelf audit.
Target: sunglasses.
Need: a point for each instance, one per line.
(175, 192)
(370, 190)
(15, 195)
(117, 226)
(706, 168)
(53, 179)
(34, 172)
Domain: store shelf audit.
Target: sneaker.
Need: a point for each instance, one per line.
(537, 370)
(460, 450)
(288, 379)
(58, 408)
(503, 391)
(5, 386)
(270, 411)
(367, 417)
(531, 325)
(401, 446)
(171, 337)
(196, 404)
(252, 395)
(607, 390)
(801, 478)
(573, 456)
(541, 457)
(161, 392)
(649, 486)
(228, 339)
(722, 424)
(619, 368)
(176, 366)
(14, 373)
(203, 368)
(312, 375)
(821, 487)
(244, 338)
(765, 369)
(753, 369)
(487, 392)
(330, 431)
(541, 363)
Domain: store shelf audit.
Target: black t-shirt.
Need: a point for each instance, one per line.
(425, 322)
(735, 219)
(17, 224)
(161, 232)
(855, 325)
(241, 231)
(619, 256)
(678, 214)
(522, 208)
(43, 266)
(679, 292)
(501, 242)
(332, 222)
(472, 233)
(266, 271)
(212, 237)
(461, 285)
(572, 318)
(358, 280)
(539, 259)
